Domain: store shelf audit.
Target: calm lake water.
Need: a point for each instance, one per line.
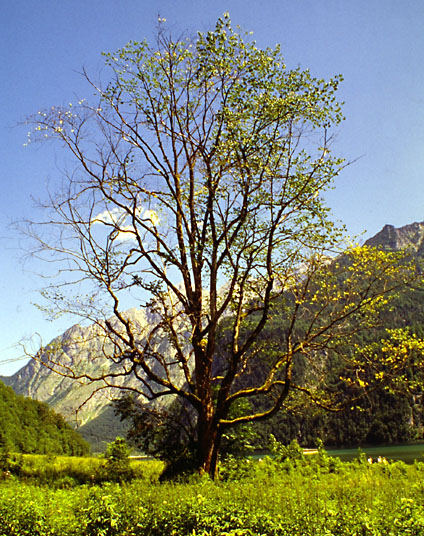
(406, 453)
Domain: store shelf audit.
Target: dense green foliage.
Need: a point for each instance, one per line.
(289, 495)
(29, 426)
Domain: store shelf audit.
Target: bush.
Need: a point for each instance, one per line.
(117, 466)
(292, 452)
(235, 468)
(22, 518)
(100, 516)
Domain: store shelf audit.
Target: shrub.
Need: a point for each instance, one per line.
(117, 465)
(363, 499)
(292, 452)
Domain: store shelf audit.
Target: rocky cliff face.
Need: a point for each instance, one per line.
(410, 237)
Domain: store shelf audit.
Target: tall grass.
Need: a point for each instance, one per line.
(314, 497)
(67, 471)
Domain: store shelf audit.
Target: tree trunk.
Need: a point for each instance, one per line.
(209, 440)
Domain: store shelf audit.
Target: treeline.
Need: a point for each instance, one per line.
(29, 426)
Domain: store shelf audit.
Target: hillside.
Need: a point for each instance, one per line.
(29, 426)
(380, 417)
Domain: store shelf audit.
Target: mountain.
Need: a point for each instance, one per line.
(86, 407)
(82, 348)
(409, 237)
(380, 417)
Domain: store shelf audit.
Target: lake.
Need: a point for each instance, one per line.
(406, 453)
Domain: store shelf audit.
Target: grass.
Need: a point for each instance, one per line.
(67, 471)
(406, 453)
(310, 496)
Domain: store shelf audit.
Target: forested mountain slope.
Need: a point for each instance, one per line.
(29, 426)
(380, 417)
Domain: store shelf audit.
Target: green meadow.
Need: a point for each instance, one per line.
(314, 495)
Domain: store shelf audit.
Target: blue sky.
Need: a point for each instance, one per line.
(377, 45)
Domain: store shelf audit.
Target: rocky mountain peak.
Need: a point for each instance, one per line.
(409, 236)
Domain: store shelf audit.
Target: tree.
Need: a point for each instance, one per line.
(199, 192)
(170, 434)
(117, 466)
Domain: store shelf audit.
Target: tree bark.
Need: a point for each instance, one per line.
(209, 440)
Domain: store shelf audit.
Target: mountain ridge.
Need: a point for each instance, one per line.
(83, 345)
(409, 236)
(81, 349)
